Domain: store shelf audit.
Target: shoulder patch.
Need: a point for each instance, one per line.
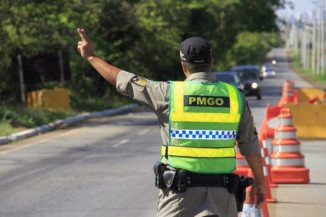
(154, 83)
(140, 81)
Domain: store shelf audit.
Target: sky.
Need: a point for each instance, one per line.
(303, 8)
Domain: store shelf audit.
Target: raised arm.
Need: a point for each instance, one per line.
(85, 48)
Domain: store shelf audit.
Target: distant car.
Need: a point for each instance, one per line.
(230, 78)
(250, 75)
(268, 71)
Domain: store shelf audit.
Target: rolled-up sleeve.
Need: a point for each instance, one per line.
(122, 82)
(247, 138)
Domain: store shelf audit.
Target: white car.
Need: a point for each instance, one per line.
(268, 71)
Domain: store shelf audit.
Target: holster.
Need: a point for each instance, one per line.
(169, 178)
(175, 180)
(240, 195)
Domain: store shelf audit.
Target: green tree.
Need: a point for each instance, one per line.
(31, 27)
(141, 36)
(250, 48)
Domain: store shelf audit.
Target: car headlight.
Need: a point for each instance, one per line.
(254, 85)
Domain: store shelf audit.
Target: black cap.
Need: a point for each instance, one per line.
(195, 50)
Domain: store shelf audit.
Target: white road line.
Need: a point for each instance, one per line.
(38, 142)
(92, 156)
(143, 132)
(22, 175)
(120, 143)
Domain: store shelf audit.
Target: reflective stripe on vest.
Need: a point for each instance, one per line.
(203, 134)
(199, 152)
(203, 125)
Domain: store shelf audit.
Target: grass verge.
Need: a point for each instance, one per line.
(18, 117)
(296, 63)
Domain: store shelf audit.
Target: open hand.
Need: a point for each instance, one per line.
(84, 46)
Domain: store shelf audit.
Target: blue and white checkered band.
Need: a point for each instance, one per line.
(203, 134)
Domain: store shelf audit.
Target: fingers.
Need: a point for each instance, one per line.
(260, 201)
(252, 194)
(82, 35)
(84, 46)
(261, 197)
(79, 45)
(257, 195)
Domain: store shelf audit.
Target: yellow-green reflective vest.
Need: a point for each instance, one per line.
(203, 125)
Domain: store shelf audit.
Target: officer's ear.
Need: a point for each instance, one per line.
(211, 64)
(184, 69)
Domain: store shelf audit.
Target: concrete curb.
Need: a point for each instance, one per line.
(48, 127)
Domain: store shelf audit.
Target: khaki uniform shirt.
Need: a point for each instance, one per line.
(196, 201)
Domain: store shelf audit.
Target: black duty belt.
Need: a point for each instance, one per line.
(180, 179)
(201, 180)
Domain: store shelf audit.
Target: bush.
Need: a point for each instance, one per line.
(251, 48)
(29, 118)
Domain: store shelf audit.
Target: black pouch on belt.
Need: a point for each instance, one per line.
(158, 171)
(182, 181)
(169, 178)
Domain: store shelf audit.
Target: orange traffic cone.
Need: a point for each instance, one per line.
(272, 113)
(269, 198)
(249, 206)
(263, 135)
(287, 93)
(268, 162)
(286, 159)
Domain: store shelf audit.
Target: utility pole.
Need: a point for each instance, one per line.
(294, 38)
(308, 42)
(62, 71)
(287, 36)
(319, 41)
(313, 48)
(21, 79)
(302, 48)
(322, 38)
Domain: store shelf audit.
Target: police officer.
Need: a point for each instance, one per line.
(200, 120)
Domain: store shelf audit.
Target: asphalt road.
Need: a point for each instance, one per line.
(101, 167)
